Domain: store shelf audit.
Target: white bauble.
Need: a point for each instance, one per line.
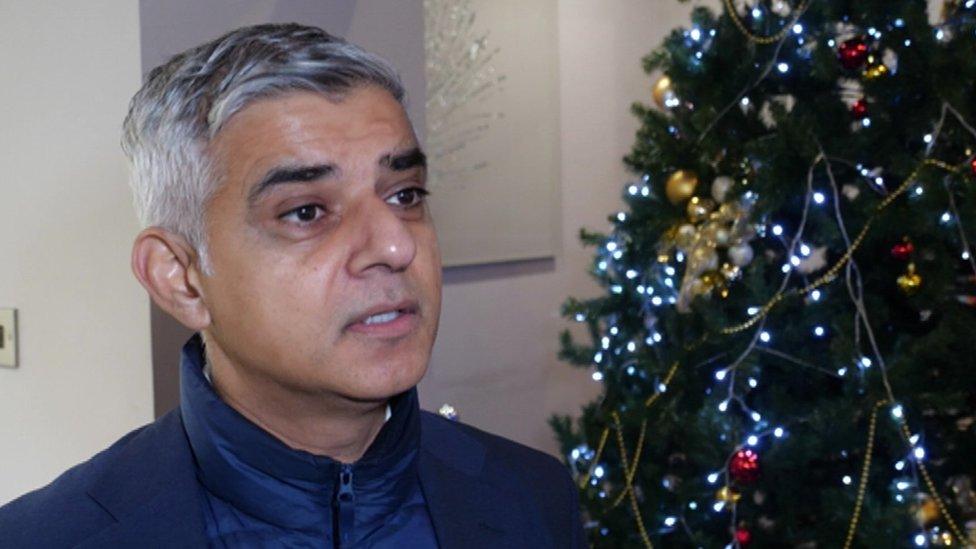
(741, 254)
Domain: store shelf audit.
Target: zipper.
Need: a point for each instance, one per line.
(345, 513)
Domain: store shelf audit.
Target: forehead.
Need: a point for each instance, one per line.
(307, 126)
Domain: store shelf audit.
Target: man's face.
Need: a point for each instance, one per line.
(317, 224)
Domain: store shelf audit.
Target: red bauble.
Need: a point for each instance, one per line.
(744, 467)
(903, 251)
(859, 109)
(972, 165)
(852, 53)
(743, 536)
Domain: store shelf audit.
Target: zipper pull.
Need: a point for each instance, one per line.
(344, 506)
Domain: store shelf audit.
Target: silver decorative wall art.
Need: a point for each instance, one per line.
(492, 128)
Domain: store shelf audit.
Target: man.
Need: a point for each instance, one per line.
(283, 191)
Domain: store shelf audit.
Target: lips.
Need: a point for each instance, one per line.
(407, 306)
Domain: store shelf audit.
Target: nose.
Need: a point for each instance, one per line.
(382, 238)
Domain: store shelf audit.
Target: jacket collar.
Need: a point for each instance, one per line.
(258, 474)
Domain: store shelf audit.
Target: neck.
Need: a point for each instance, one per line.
(323, 424)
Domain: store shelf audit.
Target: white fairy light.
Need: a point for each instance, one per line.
(778, 432)
(670, 521)
(777, 230)
(919, 453)
(866, 122)
(598, 357)
(866, 362)
(618, 254)
(897, 412)
(815, 295)
(723, 406)
(946, 217)
(783, 67)
(632, 190)
(842, 371)
(597, 376)
(713, 478)
(797, 28)
(756, 416)
(764, 336)
(819, 331)
(621, 216)
(720, 374)
(819, 197)
(847, 480)
(611, 246)
(752, 440)
(753, 383)
(751, 311)
(631, 346)
(605, 342)
(631, 274)
(580, 317)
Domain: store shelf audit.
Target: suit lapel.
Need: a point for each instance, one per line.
(152, 491)
(467, 510)
(459, 506)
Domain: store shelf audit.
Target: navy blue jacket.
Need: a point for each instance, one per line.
(480, 490)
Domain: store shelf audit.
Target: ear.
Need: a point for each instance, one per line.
(167, 267)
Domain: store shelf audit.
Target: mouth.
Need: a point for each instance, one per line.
(388, 320)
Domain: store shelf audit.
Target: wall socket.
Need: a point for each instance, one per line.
(8, 338)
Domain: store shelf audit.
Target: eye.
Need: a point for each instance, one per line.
(305, 214)
(410, 197)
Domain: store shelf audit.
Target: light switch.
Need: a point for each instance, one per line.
(8, 338)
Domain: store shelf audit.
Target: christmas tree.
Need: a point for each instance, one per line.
(787, 340)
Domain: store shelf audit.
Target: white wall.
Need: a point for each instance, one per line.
(495, 357)
(66, 227)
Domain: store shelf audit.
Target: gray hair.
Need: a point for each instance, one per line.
(184, 103)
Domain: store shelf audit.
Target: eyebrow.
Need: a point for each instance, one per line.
(289, 174)
(405, 160)
(304, 174)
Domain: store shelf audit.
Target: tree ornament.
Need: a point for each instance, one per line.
(744, 466)
(926, 511)
(728, 495)
(680, 186)
(972, 165)
(852, 53)
(910, 282)
(662, 91)
(875, 70)
(721, 187)
(903, 251)
(743, 536)
(859, 110)
(741, 254)
(699, 208)
(685, 236)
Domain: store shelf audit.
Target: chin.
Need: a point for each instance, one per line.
(384, 382)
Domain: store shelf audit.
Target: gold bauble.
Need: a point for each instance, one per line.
(699, 208)
(910, 282)
(681, 186)
(662, 91)
(728, 211)
(730, 271)
(875, 71)
(684, 236)
(727, 495)
(926, 511)
(705, 257)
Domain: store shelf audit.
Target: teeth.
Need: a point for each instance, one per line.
(385, 317)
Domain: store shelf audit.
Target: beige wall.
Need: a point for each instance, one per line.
(495, 357)
(66, 225)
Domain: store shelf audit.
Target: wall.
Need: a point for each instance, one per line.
(495, 357)
(66, 227)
